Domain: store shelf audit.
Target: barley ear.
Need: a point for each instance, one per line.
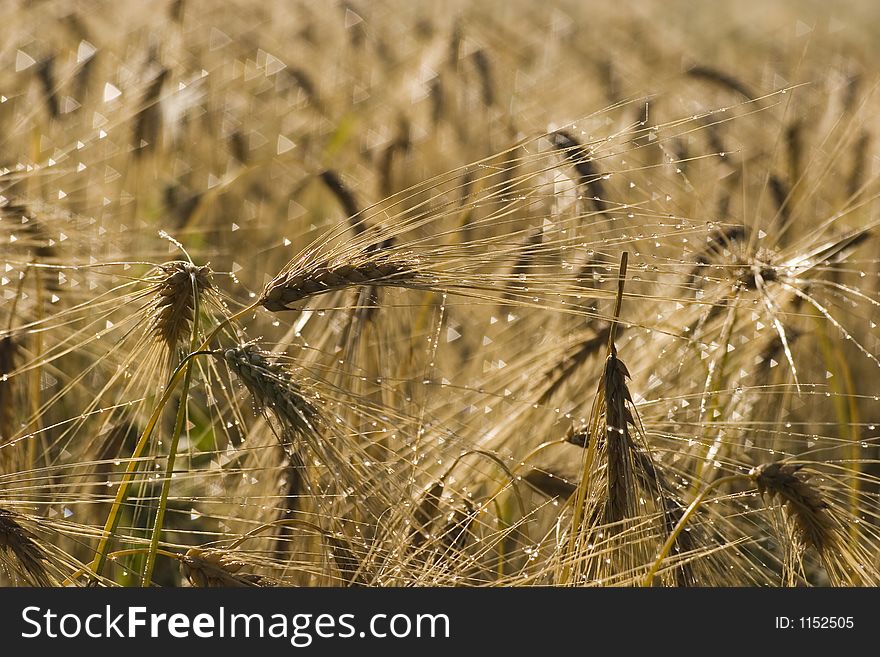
(20, 555)
(211, 568)
(176, 301)
(811, 521)
(302, 282)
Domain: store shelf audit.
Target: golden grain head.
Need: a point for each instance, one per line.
(176, 298)
(21, 556)
(273, 387)
(812, 522)
(297, 284)
(211, 568)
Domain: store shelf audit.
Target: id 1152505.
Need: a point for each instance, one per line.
(815, 622)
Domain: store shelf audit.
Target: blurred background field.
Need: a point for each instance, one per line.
(446, 191)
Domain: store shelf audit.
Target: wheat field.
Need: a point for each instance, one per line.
(439, 294)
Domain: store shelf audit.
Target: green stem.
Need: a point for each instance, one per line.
(166, 483)
(172, 448)
(113, 516)
(670, 541)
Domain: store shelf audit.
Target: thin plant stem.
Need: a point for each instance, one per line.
(113, 515)
(172, 448)
(692, 508)
(590, 452)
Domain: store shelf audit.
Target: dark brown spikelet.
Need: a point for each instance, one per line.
(346, 199)
(297, 78)
(356, 27)
(650, 477)
(455, 534)
(148, 122)
(720, 240)
(859, 167)
(794, 148)
(619, 444)
(563, 371)
(454, 48)
(175, 10)
(484, 70)
(46, 74)
(775, 350)
(180, 203)
(273, 388)
(298, 283)
(609, 78)
(582, 161)
(720, 78)
(397, 149)
(549, 484)
(211, 568)
(426, 513)
(653, 478)
(347, 563)
(437, 98)
(8, 350)
(530, 250)
(780, 193)
(295, 487)
(20, 555)
(175, 300)
(238, 147)
(809, 514)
